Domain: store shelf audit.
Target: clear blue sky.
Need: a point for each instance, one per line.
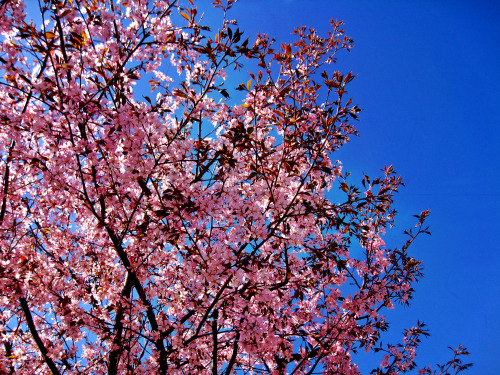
(428, 81)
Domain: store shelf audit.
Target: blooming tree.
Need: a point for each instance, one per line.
(189, 231)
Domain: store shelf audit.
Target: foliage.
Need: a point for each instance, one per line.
(184, 233)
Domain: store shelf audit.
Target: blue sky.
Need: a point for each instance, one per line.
(428, 82)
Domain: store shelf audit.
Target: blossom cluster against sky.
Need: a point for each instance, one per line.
(428, 82)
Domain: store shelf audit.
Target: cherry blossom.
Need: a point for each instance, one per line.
(154, 219)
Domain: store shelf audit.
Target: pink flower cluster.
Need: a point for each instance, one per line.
(187, 232)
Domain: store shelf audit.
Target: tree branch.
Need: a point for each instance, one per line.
(114, 355)
(214, 338)
(36, 337)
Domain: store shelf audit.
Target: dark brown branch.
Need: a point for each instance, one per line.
(207, 313)
(214, 338)
(36, 337)
(232, 361)
(182, 321)
(8, 353)
(61, 41)
(5, 189)
(142, 296)
(114, 355)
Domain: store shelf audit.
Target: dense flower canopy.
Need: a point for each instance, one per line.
(186, 231)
